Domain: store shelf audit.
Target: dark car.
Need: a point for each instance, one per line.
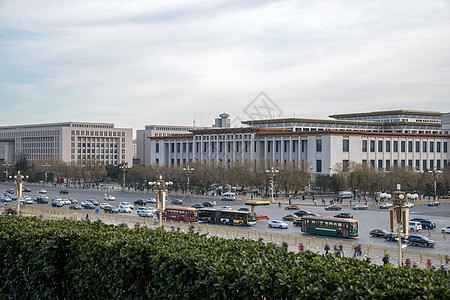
(312, 214)
(243, 209)
(333, 207)
(110, 209)
(42, 200)
(344, 215)
(11, 191)
(94, 202)
(88, 205)
(391, 237)
(302, 213)
(426, 224)
(378, 232)
(177, 201)
(208, 204)
(433, 203)
(420, 240)
(64, 192)
(297, 223)
(197, 205)
(26, 190)
(140, 202)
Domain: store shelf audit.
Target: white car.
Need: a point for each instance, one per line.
(109, 198)
(124, 209)
(277, 224)
(145, 213)
(385, 205)
(127, 204)
(151, 200)
(42, 191)
(445, 229)
(408, 204)
(102, 206)
(28, 201)
(225, 208)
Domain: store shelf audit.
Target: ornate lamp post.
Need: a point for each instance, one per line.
(124, 168)
(188, 171)
(399, 218)
(46, 166)
(6, 165)
(435, 173)
(272, 172)
(19, 182)
(160, 185)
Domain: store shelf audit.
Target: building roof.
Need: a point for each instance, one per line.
(330, 121)
(61, 124)
(389, 112)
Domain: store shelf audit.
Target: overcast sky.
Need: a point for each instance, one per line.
(134, 63)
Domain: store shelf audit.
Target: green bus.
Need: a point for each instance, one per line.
(338, 227)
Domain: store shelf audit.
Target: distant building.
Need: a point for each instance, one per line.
(446, 123)
(223, 121)
(68, 141)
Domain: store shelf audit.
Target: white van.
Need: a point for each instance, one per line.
(414, 225)
(228, 196)
(345, 194)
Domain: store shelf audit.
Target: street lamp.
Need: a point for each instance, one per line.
(6, 165)
(272, 172)
(160, 185)
(46, 166)
(435, 173)
(399, 216)
(19, 182)
(124, 168)
(188, 171)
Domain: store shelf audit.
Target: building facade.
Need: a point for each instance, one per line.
(69, 141)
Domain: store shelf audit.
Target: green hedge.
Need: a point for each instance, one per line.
(78, 260)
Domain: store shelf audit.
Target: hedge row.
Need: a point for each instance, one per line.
(78, 260)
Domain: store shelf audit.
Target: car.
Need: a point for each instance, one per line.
(445, 229)
(378, 232)
(297, 223)
(426, 224)
(102, 206)
(244, 209)
(110, 209)
(124, 209)
(360, 207)
(225, 208)
(42, 199)
(126, 204)
(140, 202)
(392, 237)
(73, 201)
(109, 198)
(277, 224)
(28, 200)
(151, 200)
(56, 198)
(385, 205)
(177, 201)
(42, 191)
(64, 192)
(312, 214)
(146, 213)
(408, 204)
(292, 207)
(95, 202)
(433, 203)
(208, 204)
(290, 217)
(197, 205)
(420, 240)
(75, 206)
(26, 190)
(5, 199)
(10, 191)
(301, 213)
(344, 215)
(333, 207)
(57, 203)
(88, 205)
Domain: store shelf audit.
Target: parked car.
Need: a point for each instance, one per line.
(110, 209)
(244, 209)
(127, 204)
(385, 205)
(293, 207)
(109, 198)
(360, 207)
(290, 217)
(73, 201)
(42, 191)
(95, 202)
(426, 224)
(197, 205)
(420, 240)
(378, 232)
(333, 207)
(146, 213)
(301, 213)
(177, 201)
(433, 203)
(102, 206)
(64, 192)
(75, 206)
(140, 202)
(344, 215)
(297, 223)
(26, 190)
(11, 191)
(445, 229)
(28, 200)
(5, 199)
(408, 204)
(42, 199)
(208, 204)
(151, 200)
(225, 208)
(124, 209)
(277, 224)
(391, 237)
(415, 225)
(88, 205)
(58, 203)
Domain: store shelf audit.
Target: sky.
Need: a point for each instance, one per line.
(136, 63)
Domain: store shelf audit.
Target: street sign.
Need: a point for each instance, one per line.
(97, 210)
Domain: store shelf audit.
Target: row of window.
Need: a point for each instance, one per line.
(403, 146)
(97, 133)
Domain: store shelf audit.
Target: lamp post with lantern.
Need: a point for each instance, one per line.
(124, 168)
(272, 172)
(46, 166)
(6, 165)
(435, 172)
(188, 171)
(19, 183)
(161, 186)
(399, 218)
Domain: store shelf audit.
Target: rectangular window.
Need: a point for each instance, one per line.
(285, 146)
(346, 145)
(372, 146)
(277, 145)
(438, 147)
(380, 164)
(395, 162)
(424, 147)
(410, 163)
(229, 147)
(403, 163)
(410, 146)
(319, 166)
(345, 165)
(303, 146)
(246, 146)
(424, 164)
(157, 147)
(445, 147)
(388, 164)
(380, 146)
(319, 145)
(403, 146)
(431, 164)
(190, 147)
(293, 145)
(417, 146)
(417, 164)
(212, 146)
(364, 146)
(438, 164)
(388, 146)
(220, 146)
(178, 147)
(431, 146)
(372, 163)
(172, 147)
(268, 146)
(445, 163)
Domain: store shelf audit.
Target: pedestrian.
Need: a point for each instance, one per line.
(386, 259)
(336, 251)
(408, 262)
(429, 265)
(136, 225)
(327, 248)
(289, 200)
(447, 260)
(191, 228)
(443, 268)
(415, 266)
(341, 250)
(87, 217)
(285, 246)
(279, 204)
(300, 247)
(323, 201)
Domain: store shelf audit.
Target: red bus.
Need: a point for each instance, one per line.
(179, 213)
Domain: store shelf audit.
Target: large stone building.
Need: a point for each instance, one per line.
(382, 139)
(69, 141)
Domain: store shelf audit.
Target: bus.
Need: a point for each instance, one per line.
(232, 217)
(180, 214)
(330, 226)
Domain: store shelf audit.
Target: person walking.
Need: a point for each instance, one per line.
(341, 250)
(385, 260)
(285, 246)
(300, 247)
(429, 265)
(336, 251)
(327, 248)
(408, 262)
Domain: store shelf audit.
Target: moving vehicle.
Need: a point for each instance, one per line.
(57, 203)
(392, 237)
(385, 205)
(226, 208)
(277, 224)
(110, 209)
(408, 204)
(125, 209)
(345, 194)
(344, 215)
(228, 197)
(64, 192)
(243, 209)
(296, 207)
(333, 207)
(42, 191)
(197, 205)
(109, 198)
(378, 232)
(297, 223)
(360, 207)
(26, 190)
(147, 213)
(102, 205)
(140, 202)
(420, 240)
(179, 213)
(445, 229)
(330, 226)
(42, 199)
(126, 204)
(290, 218)
(177, 201)
(208, 204)
(5, 199)
(75, 206)
(433, 203)
(11, 191)
(232, 217)
(302, 213)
